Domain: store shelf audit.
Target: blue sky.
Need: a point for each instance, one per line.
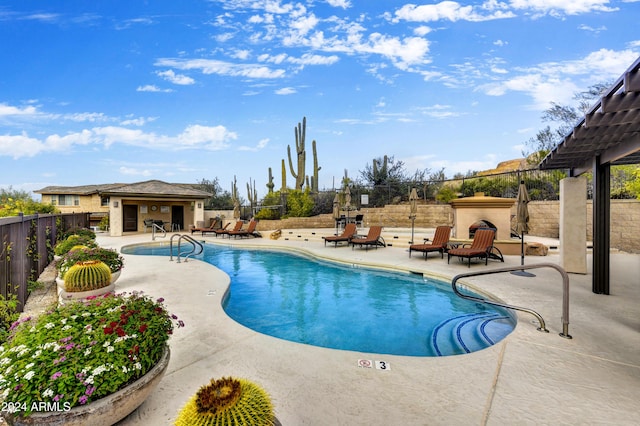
(126, 91)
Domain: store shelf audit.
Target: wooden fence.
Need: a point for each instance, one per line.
(27, 248)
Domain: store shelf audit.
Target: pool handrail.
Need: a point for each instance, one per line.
(197, 247)
(565, 293)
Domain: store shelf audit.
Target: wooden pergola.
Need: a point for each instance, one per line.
(609, 134)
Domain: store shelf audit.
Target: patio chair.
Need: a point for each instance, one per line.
(224, 231)
(346, 236)
(214, 223)
(249, 232)
(373, 238)
(359, 219)
(439, 243)
(148, 223)
(481, 247)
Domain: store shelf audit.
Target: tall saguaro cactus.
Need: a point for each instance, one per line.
(300, 133)
(252, 193)
(270, 184)
(283, 188)
(316, 169)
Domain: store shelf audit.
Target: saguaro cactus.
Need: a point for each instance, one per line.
(300, 133)
(283, 188)
(316, 169)
(252, 193)
(270, 184)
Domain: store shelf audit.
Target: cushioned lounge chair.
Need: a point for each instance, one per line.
(203, 229)
(346, 236)
(373, 238)
(249, 232)
(481, 247)
(439, 243)
(224, 231)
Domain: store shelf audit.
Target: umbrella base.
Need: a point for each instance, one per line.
(523, 273)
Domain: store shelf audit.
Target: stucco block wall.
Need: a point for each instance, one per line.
(544, 220)
(625, 222)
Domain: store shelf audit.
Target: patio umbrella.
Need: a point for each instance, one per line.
(347, 200)
(336, 210)
(236, 209)
(522, 223)
(413, 202)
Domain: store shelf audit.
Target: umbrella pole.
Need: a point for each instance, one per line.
(413, 221)
(522, 273)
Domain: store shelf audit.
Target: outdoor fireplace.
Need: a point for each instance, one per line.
(481, 224)
(480, 211)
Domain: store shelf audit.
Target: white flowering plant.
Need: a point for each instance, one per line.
(83, 351)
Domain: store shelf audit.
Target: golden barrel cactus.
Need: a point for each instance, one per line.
(87, 275)
(227, 402)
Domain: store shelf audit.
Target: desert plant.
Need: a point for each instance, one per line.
(86, 276)
(114, 261)
(228, 401)
(62, 247)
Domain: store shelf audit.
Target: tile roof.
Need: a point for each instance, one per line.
(155, 188)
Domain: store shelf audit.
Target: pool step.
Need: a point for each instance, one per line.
(469, 333)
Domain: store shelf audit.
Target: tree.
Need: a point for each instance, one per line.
(13, 202)
(389, 181)
(565, 117)
(220, 199)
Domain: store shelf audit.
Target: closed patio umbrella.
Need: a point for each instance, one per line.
(236, 209)
(522, 223)
(336, 210)
(413, 203)
(347, 200)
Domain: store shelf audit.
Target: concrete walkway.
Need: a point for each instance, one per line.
(529, 378)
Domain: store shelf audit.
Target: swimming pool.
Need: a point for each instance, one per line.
(309, 301)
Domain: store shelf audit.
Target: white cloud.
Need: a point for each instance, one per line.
(261, 145)
(6, 110)
(214, 66)
(174, 78)
(130, 171)
(285, 91)
(451, 11)
(152, 88)
(195, 137)
(345, 4)
(556, 7)
(559, 81)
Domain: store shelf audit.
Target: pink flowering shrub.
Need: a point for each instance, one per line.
(83, 351)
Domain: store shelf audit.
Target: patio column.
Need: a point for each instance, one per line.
(573, 224)
(601, 225)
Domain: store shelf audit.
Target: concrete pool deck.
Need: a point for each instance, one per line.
(528, 378)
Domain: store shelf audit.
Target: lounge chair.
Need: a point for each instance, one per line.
(481, 247)
(373, 238)
(224, 231)
(202, 229)
(346, 236)
(218, 231)
(439, 243)
(249, 232)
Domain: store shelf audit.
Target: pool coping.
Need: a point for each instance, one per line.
(530, 376)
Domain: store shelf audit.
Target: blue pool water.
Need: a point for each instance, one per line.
(324, 304)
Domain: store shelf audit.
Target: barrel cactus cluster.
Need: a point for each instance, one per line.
(86, 276)
(228, 401)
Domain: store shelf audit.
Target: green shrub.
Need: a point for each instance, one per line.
(63, 247)
(8, 315)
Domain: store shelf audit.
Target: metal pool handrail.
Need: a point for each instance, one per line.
(565, 293)
(196, 246)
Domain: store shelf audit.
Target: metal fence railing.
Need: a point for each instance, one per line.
(26, 248)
